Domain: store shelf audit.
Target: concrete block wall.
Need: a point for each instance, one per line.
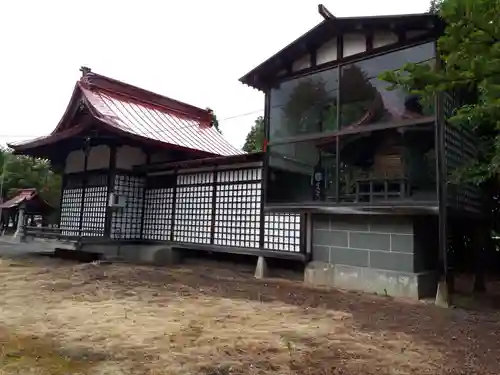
(365, 241)
(382, 254)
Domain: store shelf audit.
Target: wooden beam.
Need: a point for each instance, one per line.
(325, 13)
(369, 40)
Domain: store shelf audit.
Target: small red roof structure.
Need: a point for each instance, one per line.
(35, 204)
(136, 113)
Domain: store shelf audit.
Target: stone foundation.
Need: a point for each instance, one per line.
(386, 255)
(158, 255)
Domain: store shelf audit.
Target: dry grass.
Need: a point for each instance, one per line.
(63, 318)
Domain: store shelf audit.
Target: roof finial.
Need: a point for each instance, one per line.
(325, 13)
(85, 70)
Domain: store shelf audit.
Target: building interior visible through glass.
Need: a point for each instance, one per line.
(346, 118)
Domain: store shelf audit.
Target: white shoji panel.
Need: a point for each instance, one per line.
(94, 211)
(282, 232)
(193, 208)
(253, 174)
(71, 204)
(158, 214)
(237, 210)
(126, 223)
(195, 178)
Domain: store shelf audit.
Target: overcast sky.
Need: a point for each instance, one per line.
(193, 51)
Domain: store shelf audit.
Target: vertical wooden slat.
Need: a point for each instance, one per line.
(86, 152)
(174, 202)
(111, 187)
(148, 162)
(63, 185)
(337, 139)
(265, 168)
(441, 184)
(214, 205)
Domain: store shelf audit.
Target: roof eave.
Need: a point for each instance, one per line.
(111, 85)
(304, 40)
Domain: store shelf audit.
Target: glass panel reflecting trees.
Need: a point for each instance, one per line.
(304, 105)
(301, 172)
(382, 165)
(365, 98)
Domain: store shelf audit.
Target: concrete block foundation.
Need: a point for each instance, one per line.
(382, 282)
(387, 255)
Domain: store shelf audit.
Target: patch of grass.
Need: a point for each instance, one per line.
(29, 354)
(58, 317)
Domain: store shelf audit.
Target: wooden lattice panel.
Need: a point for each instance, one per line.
(238, 208)
(94, 211)
(126, 222)
(460, 149)
(71, 205)
(193, 208)
(158, 214)
(282, 232)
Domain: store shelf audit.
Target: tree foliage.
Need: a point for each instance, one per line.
(470, 53)
(254, 141)
(435, 6)
(24, 172)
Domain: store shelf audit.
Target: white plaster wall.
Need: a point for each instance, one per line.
(99, 157)
(354, 44)
(75, 162)
(384, 38)
(302, 63)
(327, 52)
(128, 157)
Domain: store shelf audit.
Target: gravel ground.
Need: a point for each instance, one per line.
(58, 317)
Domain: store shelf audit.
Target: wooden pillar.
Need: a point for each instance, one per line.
(143, 210)
(265, 168)
(86, 150)
(174, 203)
(111, 188)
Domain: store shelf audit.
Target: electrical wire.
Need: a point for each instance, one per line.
(28, 136)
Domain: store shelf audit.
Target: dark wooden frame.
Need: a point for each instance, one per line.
(148, 162)
(111, 187)
(337, 134)
(266, 72)
(301, 255)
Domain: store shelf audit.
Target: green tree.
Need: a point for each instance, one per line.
(24, 172)
(254, 141)
(469, 52)
(434, 7)
(215, 121)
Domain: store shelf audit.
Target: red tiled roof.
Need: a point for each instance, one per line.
(22, 196)
(140, 113)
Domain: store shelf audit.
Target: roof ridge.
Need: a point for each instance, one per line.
(124, 89)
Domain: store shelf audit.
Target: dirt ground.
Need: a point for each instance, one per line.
(58, 317)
